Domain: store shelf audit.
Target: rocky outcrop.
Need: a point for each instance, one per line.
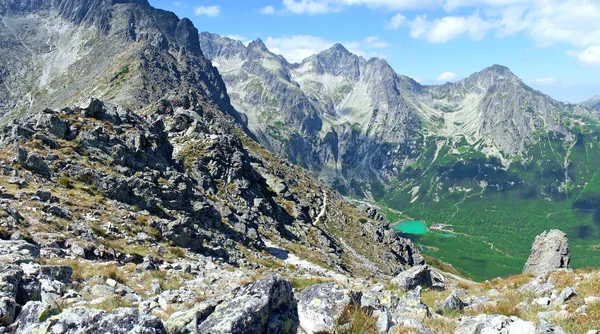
(492, 324)
(266, 306)
(413, 277)
(549, 252)
(320, 305)
(86, 320)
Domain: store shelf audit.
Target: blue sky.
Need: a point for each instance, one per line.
(553, 45)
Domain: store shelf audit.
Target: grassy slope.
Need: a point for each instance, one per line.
(516, 205)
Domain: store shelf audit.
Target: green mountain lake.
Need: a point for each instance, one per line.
(411, 227)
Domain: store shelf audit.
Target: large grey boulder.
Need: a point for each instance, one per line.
(413, 277)
(10, 278)
(184, 322)
(266, 306)
(550, 251)
(18, 251)
(86, 320)
(320, 305)
(33, 313)
(411, 307)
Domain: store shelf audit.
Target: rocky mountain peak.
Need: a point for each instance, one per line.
(338, 61)
(214, 46)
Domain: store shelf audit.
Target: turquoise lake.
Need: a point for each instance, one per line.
(411, 227)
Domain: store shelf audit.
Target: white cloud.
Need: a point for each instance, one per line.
(237, 37)
(396, 21)
(589, 56)
(447, 76)
(545, 81)
(299, 47)
(208, 10)
(442, 30)
(375, 42)
(267, 10)
(310, 6)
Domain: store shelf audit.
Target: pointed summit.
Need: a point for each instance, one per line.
(337, 60)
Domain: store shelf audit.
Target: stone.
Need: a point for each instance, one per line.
(266, 306)
(101, 290)
(544, 327)
(413, 277)
(51, 290)
(85, 320)
(452, 303)
(589, 300)
(384, 322)
(10, 278)
(542, 301)
(320, 305)
(183, 322)
(58, 273)
(43, 195)
(30, 289)
(32, 313)
(18, 251)
(549, 252)
(566, 294)
(411, 307)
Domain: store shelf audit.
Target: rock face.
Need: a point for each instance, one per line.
(413, 277)
(267, 306)
(550, 251)
(319, 306)
(85, 320)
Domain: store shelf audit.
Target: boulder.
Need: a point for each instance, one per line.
(86, 320)
(411, 307)
(32, 313)
(18, 251)
(320, 305)
(183, 322)
(549, 252)
(266, 306)
(10, 278)
(413, 277)
(452, 303)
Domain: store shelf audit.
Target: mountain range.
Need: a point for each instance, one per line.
(593, 102)
(448, 154)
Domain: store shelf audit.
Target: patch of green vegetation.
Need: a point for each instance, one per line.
(495, 222)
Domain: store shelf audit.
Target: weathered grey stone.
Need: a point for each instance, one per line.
(544, 327)
(413, 277)
(320, 305)
(32, 313)
(18, 251)
(550, 251)
(85, 320)
(58, 273)
(184, 322)
(266, 306)
(452, 303)
(384, 322)
(29, 290)
(10, 278)
(411, 307)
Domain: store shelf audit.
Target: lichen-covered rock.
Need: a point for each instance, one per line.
(550, 251)
(320, 305)
(185, 322)
(10, 277)
(411, 307)
(413, 277)
(32, 313)
(86, 320)
(266, 306)
(18, 251)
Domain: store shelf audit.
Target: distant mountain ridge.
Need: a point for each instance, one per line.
(593, 102)
(487, 154)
